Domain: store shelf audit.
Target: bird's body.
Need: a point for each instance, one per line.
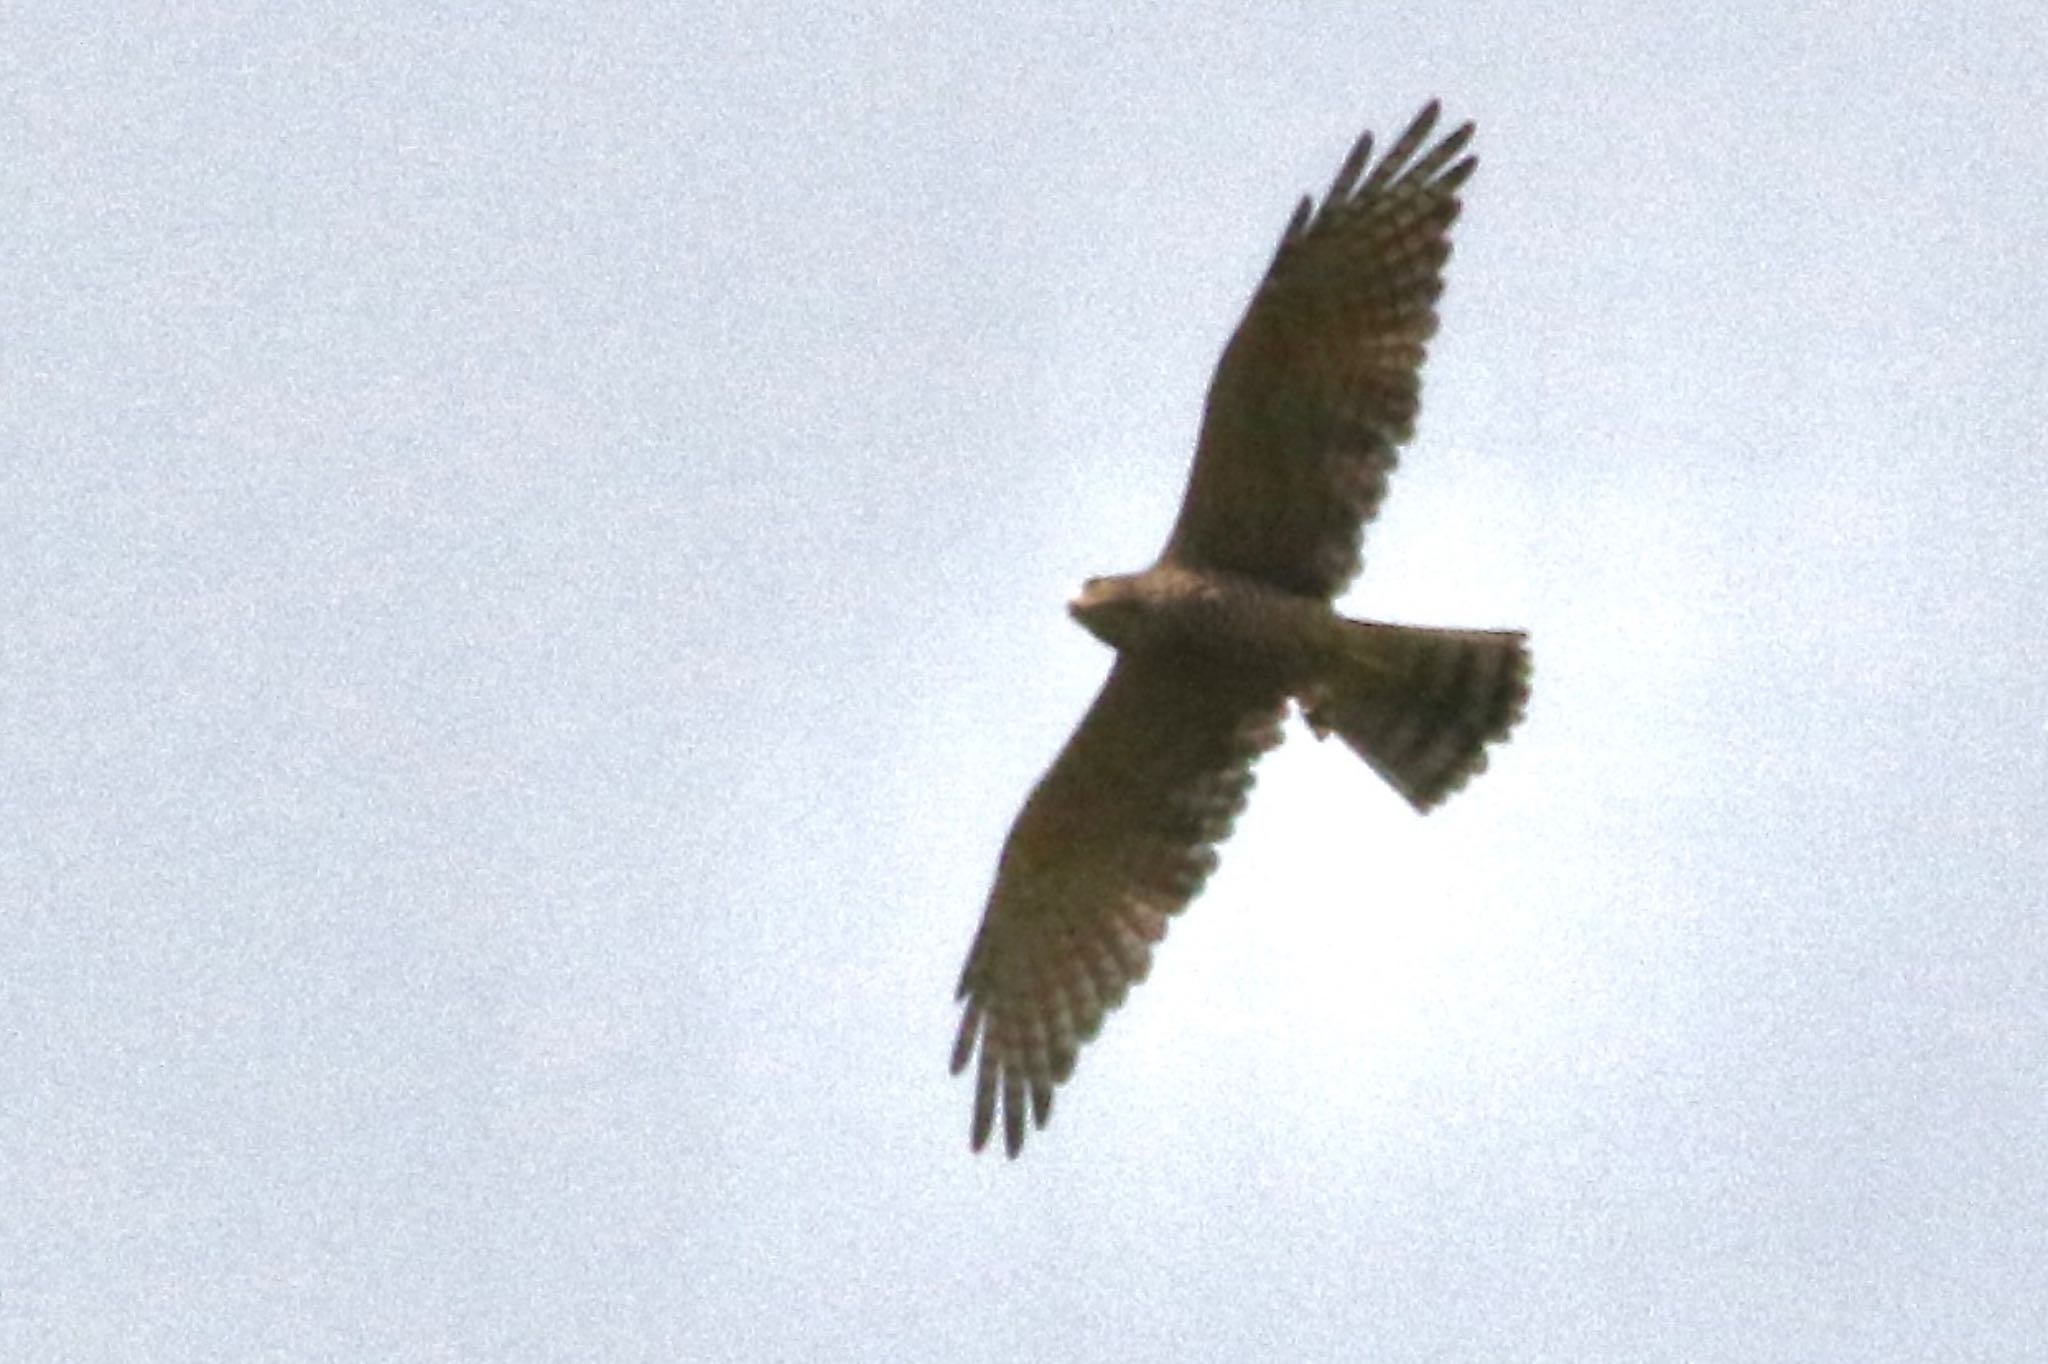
(1234, 622)
(1210, 612)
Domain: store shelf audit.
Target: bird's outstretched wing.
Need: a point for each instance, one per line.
(1318, 385)
(1119, 834)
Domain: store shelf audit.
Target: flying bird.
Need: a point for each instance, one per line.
(1233, 623)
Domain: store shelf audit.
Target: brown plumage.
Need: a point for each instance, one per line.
(1316, 390)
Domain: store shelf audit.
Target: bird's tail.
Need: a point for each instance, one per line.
(1421, 705)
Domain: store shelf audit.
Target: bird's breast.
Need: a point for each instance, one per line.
(1224, 616)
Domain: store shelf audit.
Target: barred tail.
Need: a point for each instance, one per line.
(1421, 705)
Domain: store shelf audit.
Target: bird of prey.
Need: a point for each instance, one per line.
(1316, 390)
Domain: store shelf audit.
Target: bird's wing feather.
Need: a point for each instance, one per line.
(1118, 835)
(1319, 384)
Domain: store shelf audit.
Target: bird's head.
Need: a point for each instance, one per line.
(1106, 607)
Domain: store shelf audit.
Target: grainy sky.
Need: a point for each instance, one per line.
(532, 553)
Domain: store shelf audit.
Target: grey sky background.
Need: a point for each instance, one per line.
(533, 551)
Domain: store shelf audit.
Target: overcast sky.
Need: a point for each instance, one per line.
(532, 554)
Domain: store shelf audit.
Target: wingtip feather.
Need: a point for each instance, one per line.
(1348, 173)
(984, 1101)
(963, 1041)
